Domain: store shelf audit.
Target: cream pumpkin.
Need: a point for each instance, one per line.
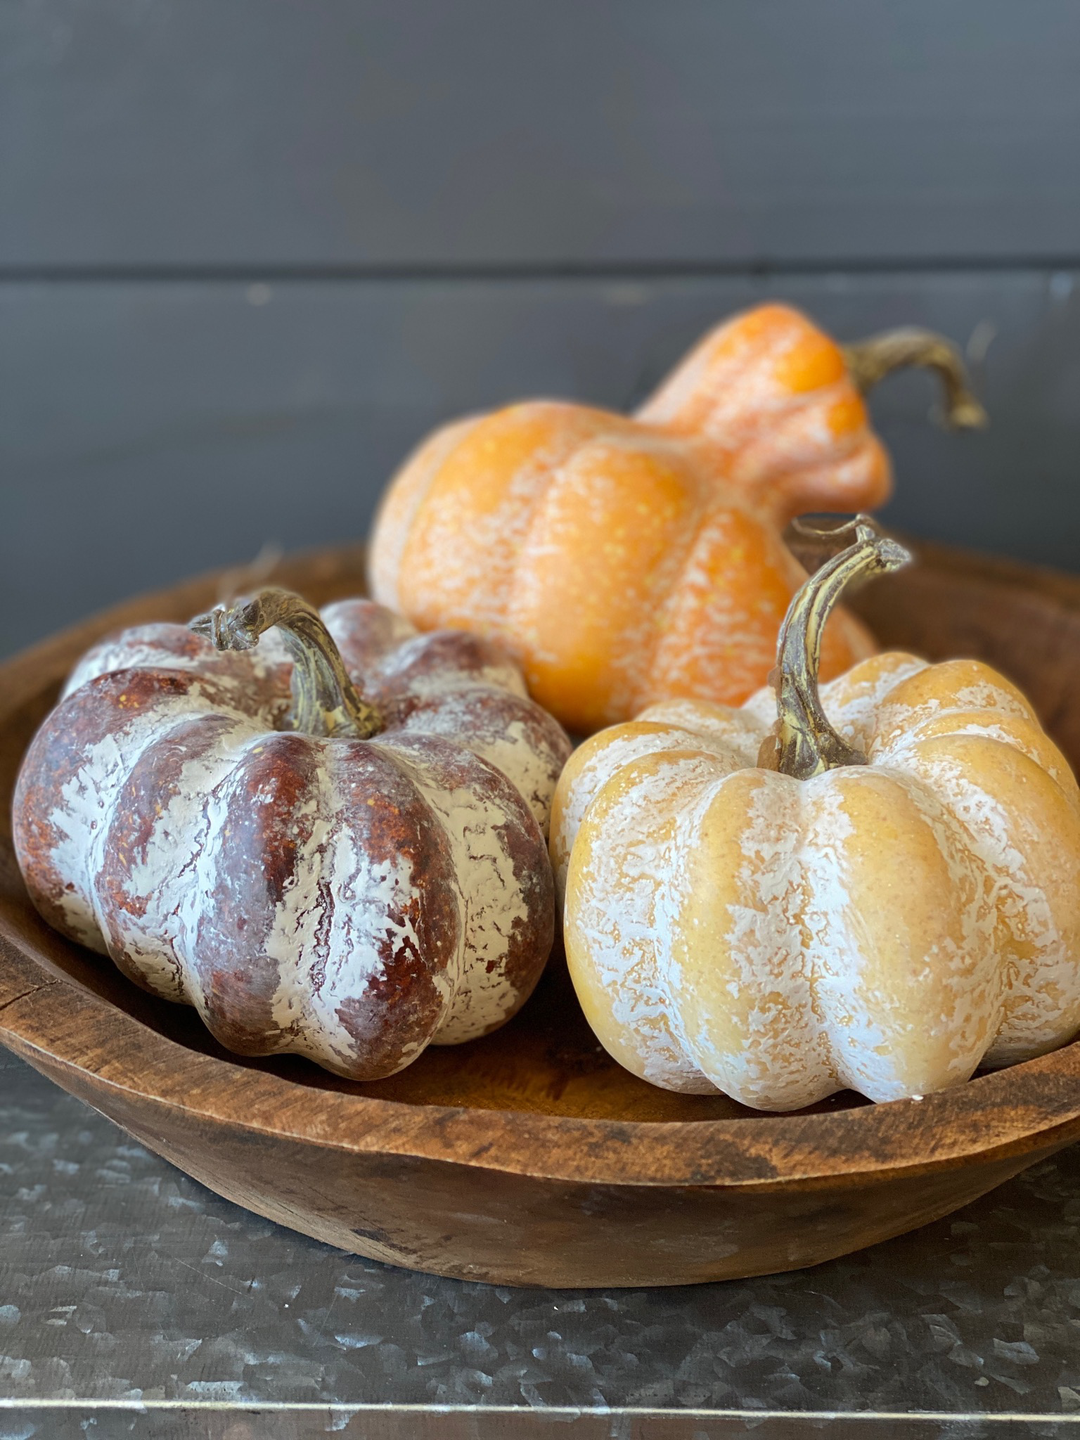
(880, 890)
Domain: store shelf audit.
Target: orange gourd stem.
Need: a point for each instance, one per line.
(325, 701)
(804, 743)
(870, 360)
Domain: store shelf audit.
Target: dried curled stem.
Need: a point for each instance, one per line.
(325, 701)
(803, 743)
(870, 360)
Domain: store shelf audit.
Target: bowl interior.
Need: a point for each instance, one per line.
(546, 1060)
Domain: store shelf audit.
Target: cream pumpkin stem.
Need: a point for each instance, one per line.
(803, 743)
(870, 360)
(325, 701)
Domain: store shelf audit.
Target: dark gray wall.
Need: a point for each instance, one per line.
(250, 252)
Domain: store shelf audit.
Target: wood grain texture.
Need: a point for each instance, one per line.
(155, 429)
(355, 132)
(528, 1157)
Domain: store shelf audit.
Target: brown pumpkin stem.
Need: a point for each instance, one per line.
(325, 701)
(803, 743)
(870, 360)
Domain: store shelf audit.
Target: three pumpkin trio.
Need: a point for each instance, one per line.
(328, 833)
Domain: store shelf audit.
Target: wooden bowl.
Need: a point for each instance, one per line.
(529, 1157)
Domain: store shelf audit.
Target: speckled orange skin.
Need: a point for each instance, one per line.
(627, 561)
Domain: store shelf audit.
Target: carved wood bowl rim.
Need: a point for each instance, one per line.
(92, 1046)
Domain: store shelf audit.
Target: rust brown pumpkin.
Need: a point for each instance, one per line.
(349, 879)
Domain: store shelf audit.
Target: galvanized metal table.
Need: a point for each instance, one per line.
(133, 1302)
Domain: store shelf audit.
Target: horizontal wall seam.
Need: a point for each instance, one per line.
(631, 270)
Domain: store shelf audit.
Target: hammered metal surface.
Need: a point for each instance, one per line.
(121, 1280)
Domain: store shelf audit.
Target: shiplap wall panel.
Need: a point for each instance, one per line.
(248, 133)
(149, 430)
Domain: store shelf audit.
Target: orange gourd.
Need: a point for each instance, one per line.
(626, 561)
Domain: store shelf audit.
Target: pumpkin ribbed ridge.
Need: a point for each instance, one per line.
(347, 899)
(887, 926)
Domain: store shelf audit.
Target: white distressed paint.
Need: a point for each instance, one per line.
(338, 906)
(1001, 978)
